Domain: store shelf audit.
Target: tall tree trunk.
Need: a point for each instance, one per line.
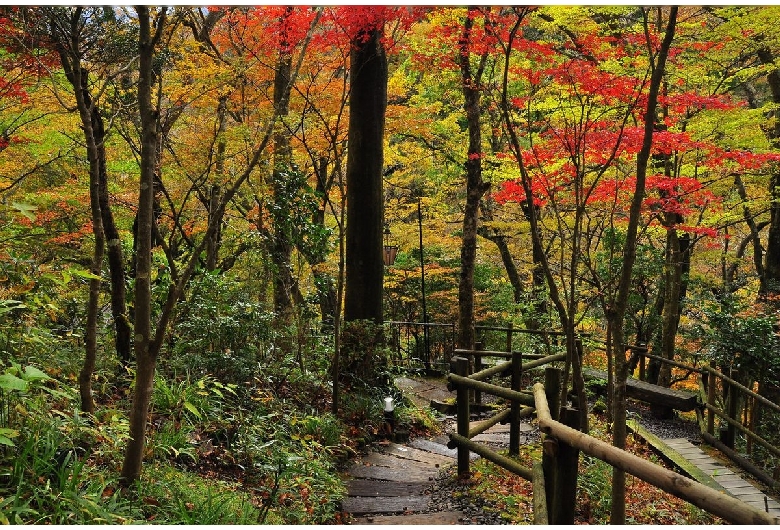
(617, 313)
(281, 243)
(678, 263)
(772, 258)
(215, 193)
(146, 357)
(67, 39)
(90, 331)
(367, 103)
(475, 186)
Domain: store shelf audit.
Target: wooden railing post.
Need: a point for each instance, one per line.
(729, 435)
(462, 399)
(711, 401)
(478, 346)
(509, 330)
(514, 422)
(566, 465)
(552, 390)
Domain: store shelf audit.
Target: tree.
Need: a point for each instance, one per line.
(471, 80)
(150, 336)
(617, 315)
(367, 104)
(151, 28)
(74, 34)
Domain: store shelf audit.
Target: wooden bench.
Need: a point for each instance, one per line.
(649, 393)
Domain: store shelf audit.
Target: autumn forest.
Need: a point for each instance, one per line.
(198, 321)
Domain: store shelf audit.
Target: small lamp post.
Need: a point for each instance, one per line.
(390, 251)
(390, 413)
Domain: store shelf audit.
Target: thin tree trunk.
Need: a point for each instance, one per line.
(475, 186)
(617, 313)
(281, 244)
(67, 39)
(146, 359)
(772, 257)
(90, 331)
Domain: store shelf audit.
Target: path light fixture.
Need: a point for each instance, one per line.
(390, 413)
(390, 251)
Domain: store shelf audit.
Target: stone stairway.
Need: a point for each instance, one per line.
(392, 484)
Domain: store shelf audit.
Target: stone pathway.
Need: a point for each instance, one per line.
(729, 481)
(392, 484)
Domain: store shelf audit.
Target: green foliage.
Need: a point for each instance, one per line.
(193, 401)
(52, 477)
(594, 485)
(738, 335)
(364, 355)
(221, 330)
(170, 496)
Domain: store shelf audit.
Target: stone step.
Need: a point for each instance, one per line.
(385, 488)
(397, 504)
(410, 453)
(437, 518)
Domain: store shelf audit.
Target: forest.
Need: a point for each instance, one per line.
(196, 204)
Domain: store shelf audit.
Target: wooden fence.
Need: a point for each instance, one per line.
(555, 477)
(713, 384)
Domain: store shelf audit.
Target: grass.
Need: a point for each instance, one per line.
(212, 457)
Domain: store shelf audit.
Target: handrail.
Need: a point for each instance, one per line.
(729, 508)
(428, 324)
(520, 330)
(731, 421)
(494, 353)
(743, 388)
(512, 395)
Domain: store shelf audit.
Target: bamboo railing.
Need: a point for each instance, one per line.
(555, 477)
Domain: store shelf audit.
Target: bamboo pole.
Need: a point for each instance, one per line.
(720, 504)
(771, 448)
(466, 382)
(539, 495)
(499, 459)
(493, 370)
(495, 353)
(482, 426)
(743, 388)
(490, 372)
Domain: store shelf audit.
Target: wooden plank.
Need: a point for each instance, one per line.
(497, 438)
(384, 488)
(388, 460)
(386, 473)
(436, 518)
(433, 447)
(410, 453)
(406, 503)
(636, 389)
(674, 456)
